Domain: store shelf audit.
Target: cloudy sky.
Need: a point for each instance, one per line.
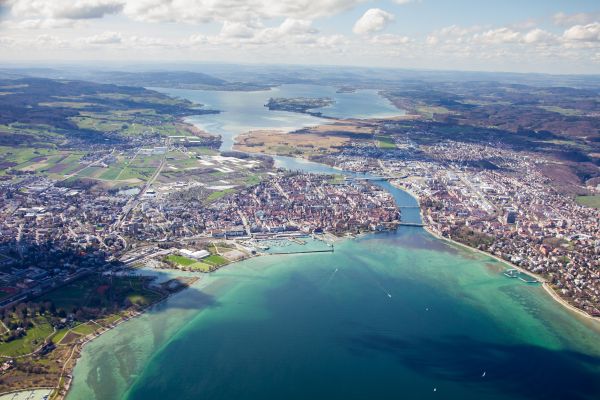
(556, 36)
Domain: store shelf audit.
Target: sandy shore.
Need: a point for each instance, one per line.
(545, 284)
(61, 391)
(541, 279)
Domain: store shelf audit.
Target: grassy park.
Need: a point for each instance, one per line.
(208, 264)
(385, 142)
(589, 201)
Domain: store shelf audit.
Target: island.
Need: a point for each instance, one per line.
(299, 104)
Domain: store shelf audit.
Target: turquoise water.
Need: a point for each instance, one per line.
(390, 315)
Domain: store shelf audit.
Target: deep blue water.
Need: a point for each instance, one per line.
(390, 315)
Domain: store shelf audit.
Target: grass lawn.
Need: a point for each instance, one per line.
(205, 151)
(386, 143)
(215, 260)
(111, 173)
(111, 319)
(85, 329)
(252, 180)
(143, 299)
(217, 195)
(563, 111)
(202, 267)
(66, 296)
(91, 172)
(86, 291)
(180, 260)
(589, 201)
(59, 335)
(337, 179)
(429, 111)
(139, 173)
(31, 341)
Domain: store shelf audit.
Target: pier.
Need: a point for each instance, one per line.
(515, 273)
(302, 252)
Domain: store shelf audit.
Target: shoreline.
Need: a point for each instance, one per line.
(66, 378)
(426, 227)
(541, 279)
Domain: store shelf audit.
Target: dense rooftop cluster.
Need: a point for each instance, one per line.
(496, 199)
(305, 202)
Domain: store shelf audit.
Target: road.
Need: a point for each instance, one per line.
(135, 201)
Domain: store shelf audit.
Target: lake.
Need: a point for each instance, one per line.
(388, 315)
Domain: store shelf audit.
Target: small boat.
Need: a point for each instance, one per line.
(483, 375)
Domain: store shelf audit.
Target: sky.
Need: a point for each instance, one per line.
(548, 36)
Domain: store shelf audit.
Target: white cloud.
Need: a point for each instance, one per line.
(145, 41)
(237, 30)
(233, 10)
(432, 40)
(48, 41)
(455, 30)
(192, 11)
(390, 40)
(6, 41)
(403, 1)
(332, 41)
(64, 9)
(290, 31)
(539, 36)
(584, 33)
(373, 20)
(565, 20)
(497, 36)
(41, 23)
(296, 26)
(451, 34)
(104, 38)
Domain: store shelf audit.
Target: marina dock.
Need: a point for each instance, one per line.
(330, 250)
(515, 273)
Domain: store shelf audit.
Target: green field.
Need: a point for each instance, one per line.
(563, 111)
(34, 338)
(111, 173)
(104, 295)
(202, 267)
(59, 335)
(252, 180)
(94, 291)
(180, 260)
(215, 260)
(85, 329)
(429, 111)
(385, 142)
(40, 160)
(137, 173)
(207, 264)
(218, 194)
(589, 201)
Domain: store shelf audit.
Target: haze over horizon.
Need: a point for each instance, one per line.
(562, 37)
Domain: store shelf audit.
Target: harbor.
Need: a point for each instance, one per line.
(515, 273)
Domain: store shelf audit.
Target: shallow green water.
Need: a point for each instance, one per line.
(394, 315)
(385, 315)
